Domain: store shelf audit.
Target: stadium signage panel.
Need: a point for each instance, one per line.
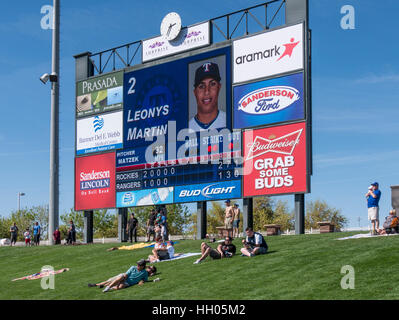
(192, 37)
(268, 54)
(95, 182)
(208, 191)
(145, 197)
(275, 160)
(160, 105)
(99, 133)
(99, 94)
(269, 101)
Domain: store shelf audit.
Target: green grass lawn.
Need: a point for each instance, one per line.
(296, 267)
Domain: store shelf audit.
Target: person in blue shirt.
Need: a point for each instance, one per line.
(36, 234)
(135, 275)
(373, 197)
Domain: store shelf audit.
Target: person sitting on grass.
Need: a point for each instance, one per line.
(254, 244)
(160, 252)
(135, 275)
(391, 224)
(225, 249)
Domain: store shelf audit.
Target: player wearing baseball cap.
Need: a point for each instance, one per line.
(206, 90)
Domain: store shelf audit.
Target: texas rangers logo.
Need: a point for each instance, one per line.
(206, 66)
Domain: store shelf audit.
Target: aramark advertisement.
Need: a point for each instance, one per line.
(208, 191)
(95, 182)
(99, 94)
(268, 53)
(99, 133)
(275, 160)
(145, 197)
(270, 101)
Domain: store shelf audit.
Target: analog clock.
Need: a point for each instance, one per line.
(171, 26)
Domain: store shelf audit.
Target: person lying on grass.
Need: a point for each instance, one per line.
(254, 244)
(225, 249)
(135, 275)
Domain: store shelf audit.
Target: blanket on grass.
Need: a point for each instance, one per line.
(137, 246)
(42, 274)
(366, 235)
(178, 256)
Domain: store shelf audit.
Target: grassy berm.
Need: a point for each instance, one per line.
(303, 267)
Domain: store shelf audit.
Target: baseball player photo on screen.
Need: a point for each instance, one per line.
(207, 94)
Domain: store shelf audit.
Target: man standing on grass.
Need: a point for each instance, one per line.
(228, 218)
(373, 197)
(151, 225)
(36, 234)
(253, 244)
(131, 228)
(14, 233)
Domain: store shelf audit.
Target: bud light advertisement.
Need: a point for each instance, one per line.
(275, 160)
(208, 191)
(269, 101)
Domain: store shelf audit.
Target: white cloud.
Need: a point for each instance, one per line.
(325, 160)
(374, 79)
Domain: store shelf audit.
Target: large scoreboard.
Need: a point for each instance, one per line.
(207, 124)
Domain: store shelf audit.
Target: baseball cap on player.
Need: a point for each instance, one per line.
(375, 184)
(141, 263)
(207, 70)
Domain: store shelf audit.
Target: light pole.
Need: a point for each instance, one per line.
(20, 194)
(54, 126)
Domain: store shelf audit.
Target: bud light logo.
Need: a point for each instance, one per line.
(128, 198)
(268, 100)
(221, 190)
(98, 123)
(208, 191)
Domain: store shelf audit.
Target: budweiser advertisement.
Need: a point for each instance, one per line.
(275, 160)
(268, 54)
(95, 182)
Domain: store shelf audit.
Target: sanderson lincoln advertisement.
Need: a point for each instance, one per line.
(270, 101)
(95, 182)
(275, 160)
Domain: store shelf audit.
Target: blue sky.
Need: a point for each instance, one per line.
(355, 105)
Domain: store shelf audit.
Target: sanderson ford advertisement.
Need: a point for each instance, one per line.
(269, 101)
